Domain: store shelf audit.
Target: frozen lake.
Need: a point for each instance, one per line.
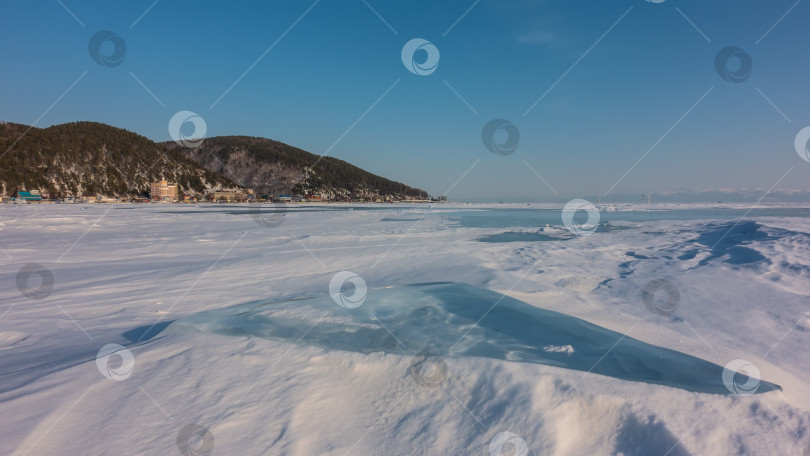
(664, 330)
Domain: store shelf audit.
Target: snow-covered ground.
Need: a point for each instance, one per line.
(323, 381)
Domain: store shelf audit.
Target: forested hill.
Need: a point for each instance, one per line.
(93, 158)
(82, 158)
(277, 168)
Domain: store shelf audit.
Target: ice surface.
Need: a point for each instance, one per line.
(455, 319)
(743, 277)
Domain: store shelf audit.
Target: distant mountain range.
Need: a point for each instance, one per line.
(732, 195)
(81, 158)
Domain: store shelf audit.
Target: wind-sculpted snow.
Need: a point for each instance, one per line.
(728, 241)
(452, 320)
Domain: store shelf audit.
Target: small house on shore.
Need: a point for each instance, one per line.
(32, 195)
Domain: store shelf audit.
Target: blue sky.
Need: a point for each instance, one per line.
(618, 76)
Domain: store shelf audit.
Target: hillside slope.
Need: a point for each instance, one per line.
(276, 168)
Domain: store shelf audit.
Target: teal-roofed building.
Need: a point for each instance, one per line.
(33, 195)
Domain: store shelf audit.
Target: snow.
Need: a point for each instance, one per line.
(167, 284)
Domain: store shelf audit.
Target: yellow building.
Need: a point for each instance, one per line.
(163, 191)
(228, 196)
